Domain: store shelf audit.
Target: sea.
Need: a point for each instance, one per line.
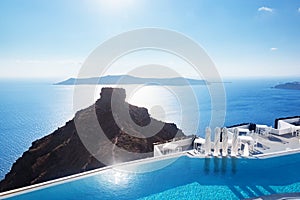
(32, 109)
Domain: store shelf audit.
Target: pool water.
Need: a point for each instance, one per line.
(184, 178)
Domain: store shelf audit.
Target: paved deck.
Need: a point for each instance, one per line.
(270, 145)
(267, 146)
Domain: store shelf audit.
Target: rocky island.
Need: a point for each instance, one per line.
(289, 86)
(127, 79)
(62, 152)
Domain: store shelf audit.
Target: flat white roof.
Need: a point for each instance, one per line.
(243, 130)
(261, 126)
(170, 146)
(199, 141)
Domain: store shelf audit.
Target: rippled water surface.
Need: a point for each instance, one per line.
(30, 110)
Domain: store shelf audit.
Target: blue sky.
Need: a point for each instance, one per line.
(243, 38)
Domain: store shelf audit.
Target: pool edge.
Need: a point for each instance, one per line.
(30, 188)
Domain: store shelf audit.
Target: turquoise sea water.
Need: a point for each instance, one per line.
(185, 178)
(32, 109)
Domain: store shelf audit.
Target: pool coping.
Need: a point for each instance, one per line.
(257, 156)
(277, 153)
(62, 180)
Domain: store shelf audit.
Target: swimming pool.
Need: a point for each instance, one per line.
(185, 178)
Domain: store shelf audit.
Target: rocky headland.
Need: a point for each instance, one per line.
(63, 153)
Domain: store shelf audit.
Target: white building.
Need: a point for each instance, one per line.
(287, 125)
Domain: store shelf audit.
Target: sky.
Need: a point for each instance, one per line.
(51, 39)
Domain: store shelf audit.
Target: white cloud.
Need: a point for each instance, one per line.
(267, 9)
(273, 49)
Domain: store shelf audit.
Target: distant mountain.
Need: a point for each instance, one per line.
(126, 79)
(289, 86)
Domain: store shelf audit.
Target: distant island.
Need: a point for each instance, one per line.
(127, 79)
(289, 86)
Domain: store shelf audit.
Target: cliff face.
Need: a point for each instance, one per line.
(63, 153)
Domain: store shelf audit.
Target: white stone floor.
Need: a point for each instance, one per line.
(273, 144)
(267, 146)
